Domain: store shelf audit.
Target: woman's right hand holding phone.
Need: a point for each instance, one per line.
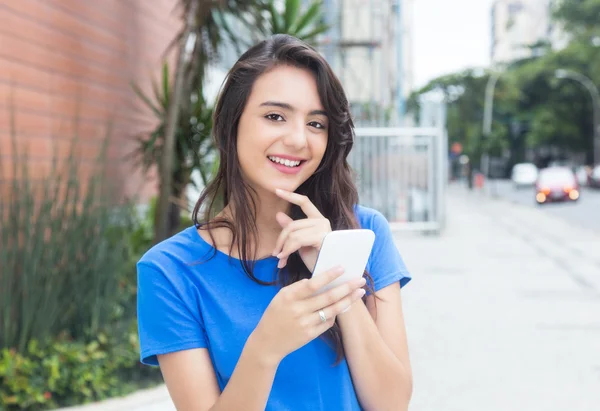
(297, 315)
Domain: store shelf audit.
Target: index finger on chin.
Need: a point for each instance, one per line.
(302, 201)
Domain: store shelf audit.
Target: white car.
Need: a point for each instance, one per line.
(583, 175)
(595, 177)
(524, 175)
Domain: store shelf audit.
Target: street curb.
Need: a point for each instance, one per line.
(132, 401)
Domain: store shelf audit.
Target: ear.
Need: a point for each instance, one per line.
(283, 219)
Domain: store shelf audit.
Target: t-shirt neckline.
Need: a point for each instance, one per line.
(198, 238)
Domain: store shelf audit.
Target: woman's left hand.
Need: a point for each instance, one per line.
(304, 236)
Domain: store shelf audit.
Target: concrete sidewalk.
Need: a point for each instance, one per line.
(153, 399)
(503, 313)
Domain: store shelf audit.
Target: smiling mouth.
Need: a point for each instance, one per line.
(286, 162)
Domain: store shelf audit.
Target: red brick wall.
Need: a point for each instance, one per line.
(67, 59)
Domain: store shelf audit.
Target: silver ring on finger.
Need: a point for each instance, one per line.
(322, 316)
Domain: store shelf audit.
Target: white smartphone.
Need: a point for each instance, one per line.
(349, 249)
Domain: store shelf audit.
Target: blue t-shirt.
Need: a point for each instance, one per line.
(186, 301)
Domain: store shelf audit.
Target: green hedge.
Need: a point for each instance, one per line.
(68, 372)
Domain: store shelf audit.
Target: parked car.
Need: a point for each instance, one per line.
(556, 184)
(594, 179)
(524, 175)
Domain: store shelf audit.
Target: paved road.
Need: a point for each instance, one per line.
(585, 212)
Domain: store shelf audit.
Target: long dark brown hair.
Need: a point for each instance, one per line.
(331, 188)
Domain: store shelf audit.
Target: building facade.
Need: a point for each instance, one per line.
(519, 24)
(370, 48)
(66, 68)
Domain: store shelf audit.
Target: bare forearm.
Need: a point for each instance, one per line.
(381, 381)
(250, 384)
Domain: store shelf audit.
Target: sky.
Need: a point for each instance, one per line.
(448, 36)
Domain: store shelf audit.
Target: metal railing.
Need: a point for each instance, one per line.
(402, 172)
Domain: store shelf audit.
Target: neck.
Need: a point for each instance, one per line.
(268, 205)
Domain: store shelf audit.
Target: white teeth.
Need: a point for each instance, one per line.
(287, 163)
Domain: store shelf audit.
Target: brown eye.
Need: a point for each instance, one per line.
(316, 124)
(274, 117)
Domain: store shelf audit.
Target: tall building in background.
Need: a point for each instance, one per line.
(518, 24)
(370, 49)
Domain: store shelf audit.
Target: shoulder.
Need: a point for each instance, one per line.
(171, 257)
(385, 265)
(165, 274)
(175, 248)
(370, 218)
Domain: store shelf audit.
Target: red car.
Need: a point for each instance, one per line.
(556, 184)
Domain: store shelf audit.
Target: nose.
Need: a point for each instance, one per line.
(296, 137)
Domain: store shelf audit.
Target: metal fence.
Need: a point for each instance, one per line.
(402, 172)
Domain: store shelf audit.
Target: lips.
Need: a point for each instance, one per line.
(285, 161)
(287, 165)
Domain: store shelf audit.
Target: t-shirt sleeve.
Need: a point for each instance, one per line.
(166, 322)
(385, 265)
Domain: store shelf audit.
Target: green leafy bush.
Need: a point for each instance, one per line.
(67, 372)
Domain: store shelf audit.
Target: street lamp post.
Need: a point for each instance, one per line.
(487, 121)
(591, 87)
(489, 102)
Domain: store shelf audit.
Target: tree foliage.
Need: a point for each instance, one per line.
(533, 109)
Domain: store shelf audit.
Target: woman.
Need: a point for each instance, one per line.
(227, 307)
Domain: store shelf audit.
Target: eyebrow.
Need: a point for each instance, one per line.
(289, 107)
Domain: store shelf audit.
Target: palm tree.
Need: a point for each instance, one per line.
(307, 25)
(192, 148)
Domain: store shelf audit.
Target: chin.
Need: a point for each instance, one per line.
(282, 184)
(288, 183)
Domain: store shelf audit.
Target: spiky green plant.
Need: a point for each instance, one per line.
(193, 147)
(61, 258)
(305, 24)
